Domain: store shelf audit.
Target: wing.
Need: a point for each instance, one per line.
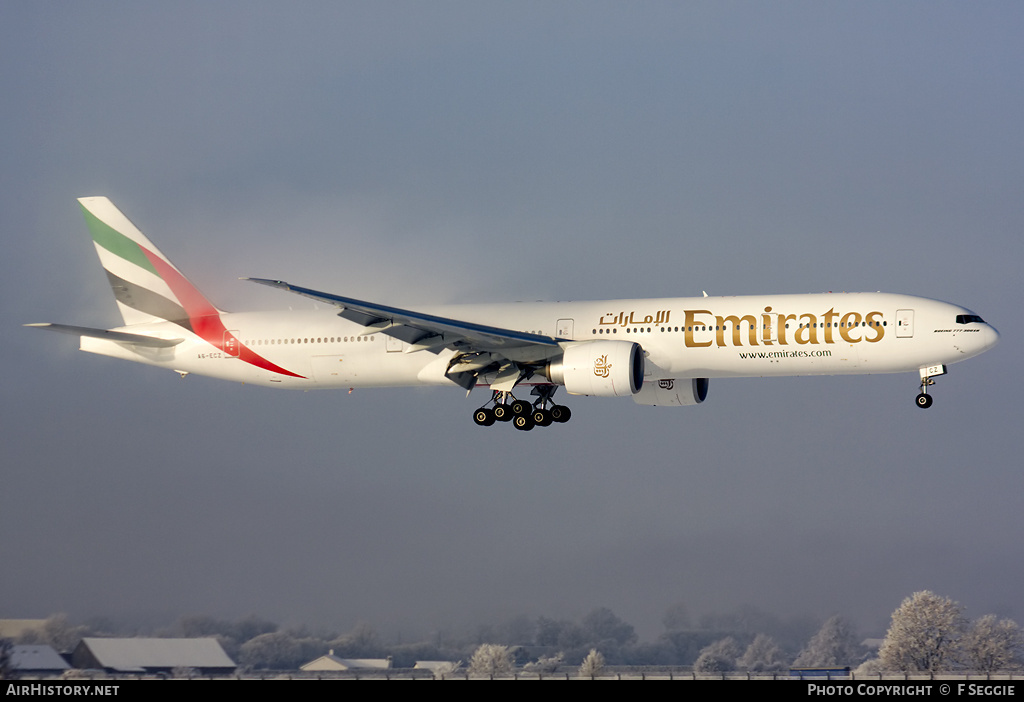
(513, 355)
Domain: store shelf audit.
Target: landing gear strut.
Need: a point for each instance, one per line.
(924, 400)
(523, 415)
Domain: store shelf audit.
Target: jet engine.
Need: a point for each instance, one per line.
(602, 368)
(670, 391)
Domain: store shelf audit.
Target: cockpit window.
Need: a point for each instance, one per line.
(968, 319)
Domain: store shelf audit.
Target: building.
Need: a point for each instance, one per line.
(331, 662)
(37, 660)
(204, 656)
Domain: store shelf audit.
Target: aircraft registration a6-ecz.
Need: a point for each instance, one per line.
(657, 351)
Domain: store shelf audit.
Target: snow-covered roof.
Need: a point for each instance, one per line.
(332, 662)
(142, 654)
(36, 657)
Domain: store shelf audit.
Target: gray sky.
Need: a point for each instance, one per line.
(411, 152)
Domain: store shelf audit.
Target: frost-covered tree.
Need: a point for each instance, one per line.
(718, 657)
(520, 630)
(677, 618)
(834, 645)
(57, 631)
(924, 635)
(871, 666)
(593, 664)
(545, 664)
(762, 655)
(992, 645)
(447, 668)
(276, 651)
(6, 665)
(361, 642)
(562, 634)
(602, 625)
(491, 660)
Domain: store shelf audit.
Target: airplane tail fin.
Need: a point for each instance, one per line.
(146, 285)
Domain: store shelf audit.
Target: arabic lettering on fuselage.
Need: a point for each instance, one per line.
(772, 328)
(623, 321)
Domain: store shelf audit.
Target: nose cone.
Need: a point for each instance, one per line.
(991, 337)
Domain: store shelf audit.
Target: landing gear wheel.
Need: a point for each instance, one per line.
(484, 417)
(523, 422)
(519, 407)
(542, 417)
(560, 414)
(502, 413)
(924, 401)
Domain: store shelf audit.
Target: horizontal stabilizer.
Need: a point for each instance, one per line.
(123, 337)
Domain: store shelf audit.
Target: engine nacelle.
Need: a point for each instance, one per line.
(670, 391)
(602, 368)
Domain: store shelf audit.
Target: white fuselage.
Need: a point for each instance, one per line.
(704, 337)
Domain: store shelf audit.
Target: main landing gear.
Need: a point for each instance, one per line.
(523, 415)
(924, 400)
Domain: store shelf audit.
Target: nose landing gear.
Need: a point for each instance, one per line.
(924, 400)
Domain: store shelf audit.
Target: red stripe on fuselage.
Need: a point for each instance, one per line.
(204, 317)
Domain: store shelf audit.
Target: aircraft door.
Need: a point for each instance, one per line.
(904, 323)
(563, 329)
(331, 370)
(769, 329)
(230, 345)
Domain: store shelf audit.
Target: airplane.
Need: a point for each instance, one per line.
(657, 351)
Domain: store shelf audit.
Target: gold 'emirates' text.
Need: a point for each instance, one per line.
(829, 328)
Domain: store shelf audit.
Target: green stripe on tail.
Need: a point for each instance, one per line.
(115, 242)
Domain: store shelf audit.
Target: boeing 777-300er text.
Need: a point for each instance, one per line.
(658, 351)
